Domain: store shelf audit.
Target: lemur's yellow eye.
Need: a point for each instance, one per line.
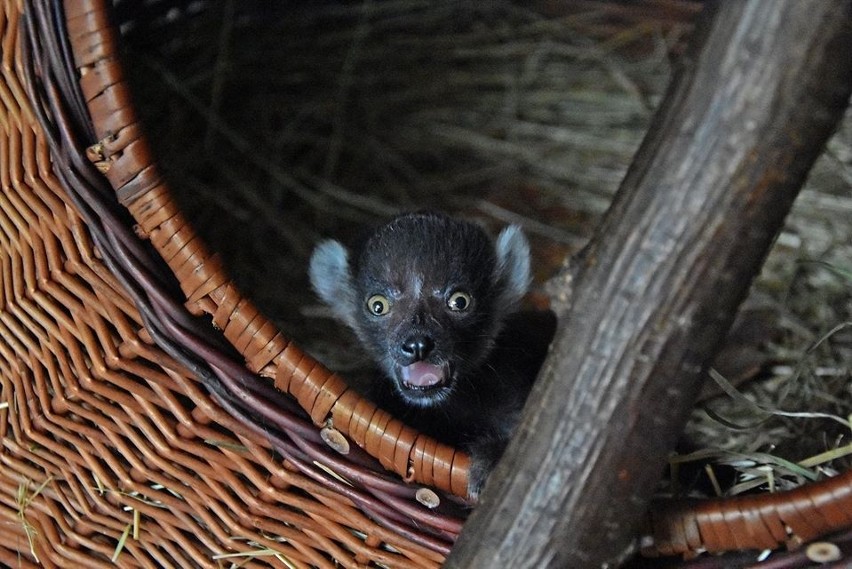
(459, 301)
(378, 304)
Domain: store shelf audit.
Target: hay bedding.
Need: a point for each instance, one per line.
(278, 125)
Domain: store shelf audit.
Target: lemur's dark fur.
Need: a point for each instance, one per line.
(433, 300)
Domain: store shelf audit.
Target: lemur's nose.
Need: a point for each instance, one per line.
(417, 347)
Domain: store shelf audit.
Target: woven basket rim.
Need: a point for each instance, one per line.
(122, 153)
(185, 282)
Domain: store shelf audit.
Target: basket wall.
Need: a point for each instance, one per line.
(112, 450)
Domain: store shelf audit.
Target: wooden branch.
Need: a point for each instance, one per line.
(750, 109)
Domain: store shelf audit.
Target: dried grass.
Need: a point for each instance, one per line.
(22, 501)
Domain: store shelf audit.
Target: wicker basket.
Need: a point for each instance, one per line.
(135, 432)
(109, 429)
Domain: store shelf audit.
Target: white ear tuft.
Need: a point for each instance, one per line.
(513, 265)
(332, 279)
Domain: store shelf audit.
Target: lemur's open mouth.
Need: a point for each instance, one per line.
(423, 376)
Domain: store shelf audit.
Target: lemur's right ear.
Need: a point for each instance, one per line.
(513, 267)
(332, 279)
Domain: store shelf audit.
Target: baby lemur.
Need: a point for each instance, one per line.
(433, 300)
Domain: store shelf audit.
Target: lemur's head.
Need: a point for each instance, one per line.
(426, 296)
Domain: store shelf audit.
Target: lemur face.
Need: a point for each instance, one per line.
(426, 297)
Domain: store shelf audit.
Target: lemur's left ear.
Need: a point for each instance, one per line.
(513, 266)
(332, 279)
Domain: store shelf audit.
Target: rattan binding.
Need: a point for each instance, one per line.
(760, 521)
(123, 156)
(127, 163)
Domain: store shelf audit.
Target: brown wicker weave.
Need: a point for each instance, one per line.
(107, 430)
(133, 429)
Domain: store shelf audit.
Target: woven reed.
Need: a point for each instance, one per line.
(123, 410)
(106, 429)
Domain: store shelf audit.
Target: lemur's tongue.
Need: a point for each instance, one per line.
(422, 374)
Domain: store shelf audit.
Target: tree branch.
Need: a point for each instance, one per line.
(748, 112)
